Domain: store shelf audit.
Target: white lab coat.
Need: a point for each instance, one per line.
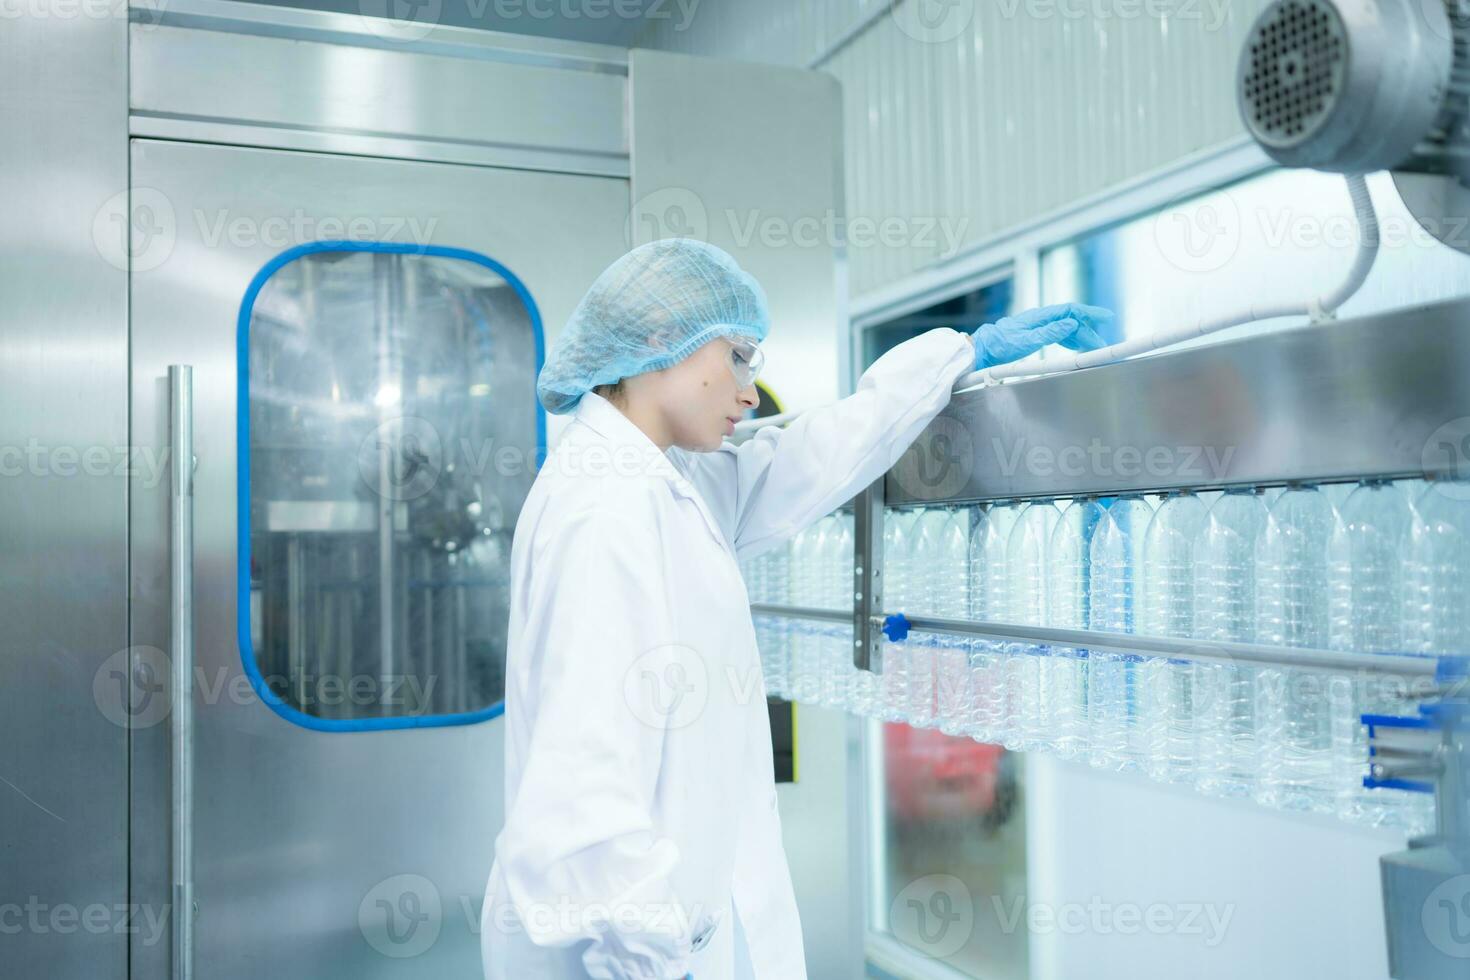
(641, 837)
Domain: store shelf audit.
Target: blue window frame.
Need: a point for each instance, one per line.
(387, 432)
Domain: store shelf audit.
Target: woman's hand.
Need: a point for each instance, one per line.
(1011, 338)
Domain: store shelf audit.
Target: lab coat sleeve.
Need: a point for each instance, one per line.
(782, 480)
(578, 852)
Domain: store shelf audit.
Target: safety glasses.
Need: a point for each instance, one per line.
(746, 361)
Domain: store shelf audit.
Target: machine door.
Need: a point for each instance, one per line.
(364, 336)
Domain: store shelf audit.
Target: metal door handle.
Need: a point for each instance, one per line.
(181, 644)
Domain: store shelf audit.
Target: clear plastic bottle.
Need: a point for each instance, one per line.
(1166, 608)
(925, 594)
(1438, 573)
(1293, 723)
(952, 695)
(773, 634)
(1028, 565)
(807, 579)
(1225, 611)
(898, 528)
(777, 591)
(989, 602)
(1115, 688)
(1366, 561)
(778, 573)
(1068, 595)
(837, 590)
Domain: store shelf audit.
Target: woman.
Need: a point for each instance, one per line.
(641, 837)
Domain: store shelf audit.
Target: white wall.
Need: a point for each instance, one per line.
(1001, 111)
(1290, 896)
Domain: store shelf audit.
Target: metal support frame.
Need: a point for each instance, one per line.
(867, 651)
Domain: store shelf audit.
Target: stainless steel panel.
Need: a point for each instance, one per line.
(212, 81)
(749, 158)
(1380, 396)
(63, 496)
(300, 834)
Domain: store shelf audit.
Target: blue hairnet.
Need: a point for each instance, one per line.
(650, 309)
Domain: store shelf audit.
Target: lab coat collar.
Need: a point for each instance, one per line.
(633, 451)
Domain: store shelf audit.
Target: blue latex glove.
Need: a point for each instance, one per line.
(1011, 338)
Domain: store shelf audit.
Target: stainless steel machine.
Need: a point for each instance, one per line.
(294, 276)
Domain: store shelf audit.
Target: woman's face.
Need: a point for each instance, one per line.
(698, 400)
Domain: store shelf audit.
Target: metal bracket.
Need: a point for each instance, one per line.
(867, 607)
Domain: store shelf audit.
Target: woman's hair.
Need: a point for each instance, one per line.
(613, 392)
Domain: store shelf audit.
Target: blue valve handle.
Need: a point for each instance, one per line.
(896, 628)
